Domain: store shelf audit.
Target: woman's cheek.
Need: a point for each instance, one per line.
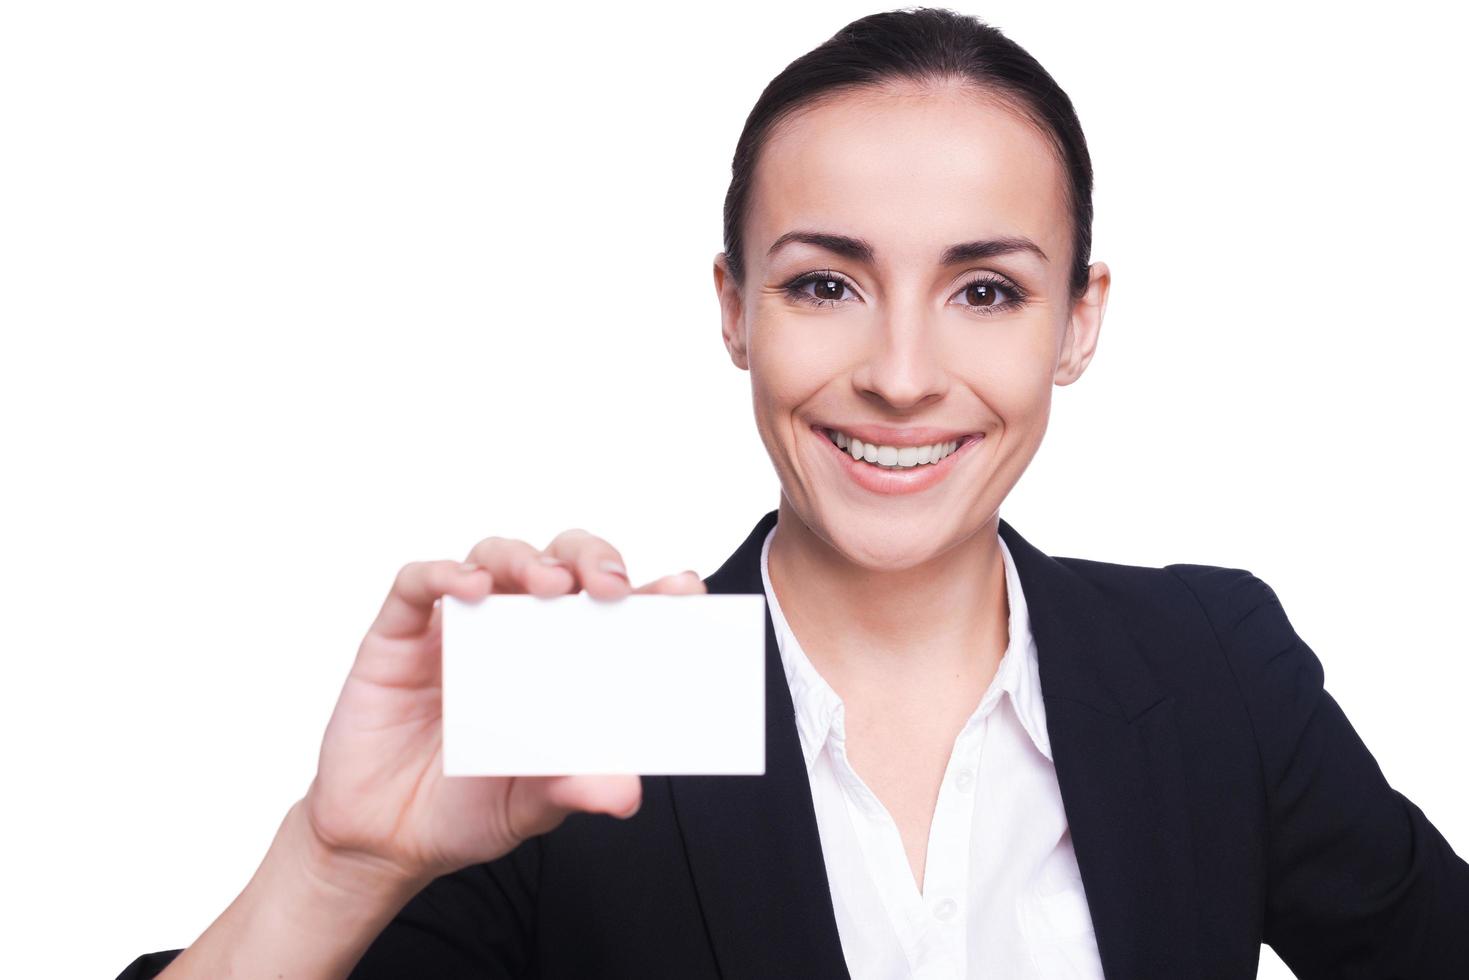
(788, 366)
(1017, 368)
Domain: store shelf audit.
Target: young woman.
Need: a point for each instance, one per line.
(982, 760)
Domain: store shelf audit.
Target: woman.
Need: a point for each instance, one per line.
(982, 760)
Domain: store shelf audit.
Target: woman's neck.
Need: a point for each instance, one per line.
(938, 627)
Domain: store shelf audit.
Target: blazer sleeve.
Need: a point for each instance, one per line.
(477, 923)
(1359, 884)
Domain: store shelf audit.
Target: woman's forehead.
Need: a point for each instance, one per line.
(910, 169)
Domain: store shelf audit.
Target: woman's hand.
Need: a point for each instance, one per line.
(379, 794)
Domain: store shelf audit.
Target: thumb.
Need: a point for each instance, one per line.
(548, 799)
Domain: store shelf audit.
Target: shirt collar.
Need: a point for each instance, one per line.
(819, 710)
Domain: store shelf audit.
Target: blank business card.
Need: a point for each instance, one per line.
(648, 684)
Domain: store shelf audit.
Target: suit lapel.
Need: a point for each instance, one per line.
(755, 851)
(1115, 743)
(752, 841)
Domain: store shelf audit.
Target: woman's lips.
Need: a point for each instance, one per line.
(914, 479)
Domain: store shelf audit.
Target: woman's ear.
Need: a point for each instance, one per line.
(731, 312)
(1079, 342)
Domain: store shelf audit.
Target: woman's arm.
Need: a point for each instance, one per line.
(476, 922)
(305, 913)
(1360, 884)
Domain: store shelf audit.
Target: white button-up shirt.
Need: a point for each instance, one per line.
(1002, 896)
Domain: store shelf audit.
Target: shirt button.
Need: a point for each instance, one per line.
(965, 780)
(945, 910)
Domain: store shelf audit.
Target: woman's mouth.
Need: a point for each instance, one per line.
(889, 469)
(895, 457)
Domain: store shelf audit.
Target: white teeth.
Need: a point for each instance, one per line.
(891, 457)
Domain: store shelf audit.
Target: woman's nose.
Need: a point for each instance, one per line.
(905, 363)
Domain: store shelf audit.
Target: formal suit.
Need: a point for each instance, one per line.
(1217, 796)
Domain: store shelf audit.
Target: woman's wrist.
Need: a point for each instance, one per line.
(308, 912)
(337, 872)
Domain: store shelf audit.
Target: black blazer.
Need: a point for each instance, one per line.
(1217, 798)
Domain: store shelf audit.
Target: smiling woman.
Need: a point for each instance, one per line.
(982, 760)
(927, 209)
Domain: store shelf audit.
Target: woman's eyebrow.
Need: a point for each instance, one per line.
(860, 250)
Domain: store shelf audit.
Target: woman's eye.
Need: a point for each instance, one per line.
(986, 294)
(820, 289)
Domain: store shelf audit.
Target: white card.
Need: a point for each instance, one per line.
(647, 684)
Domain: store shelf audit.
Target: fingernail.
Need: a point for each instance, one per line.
(470, 566)
(613, 568)
(551, 560)
(693, 575)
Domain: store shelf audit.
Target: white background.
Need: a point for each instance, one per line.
(293, 293)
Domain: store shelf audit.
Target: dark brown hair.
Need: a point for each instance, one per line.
(922, 44)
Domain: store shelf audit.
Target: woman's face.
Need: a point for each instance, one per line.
(904, 346)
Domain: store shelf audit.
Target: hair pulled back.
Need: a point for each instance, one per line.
(924, 45)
